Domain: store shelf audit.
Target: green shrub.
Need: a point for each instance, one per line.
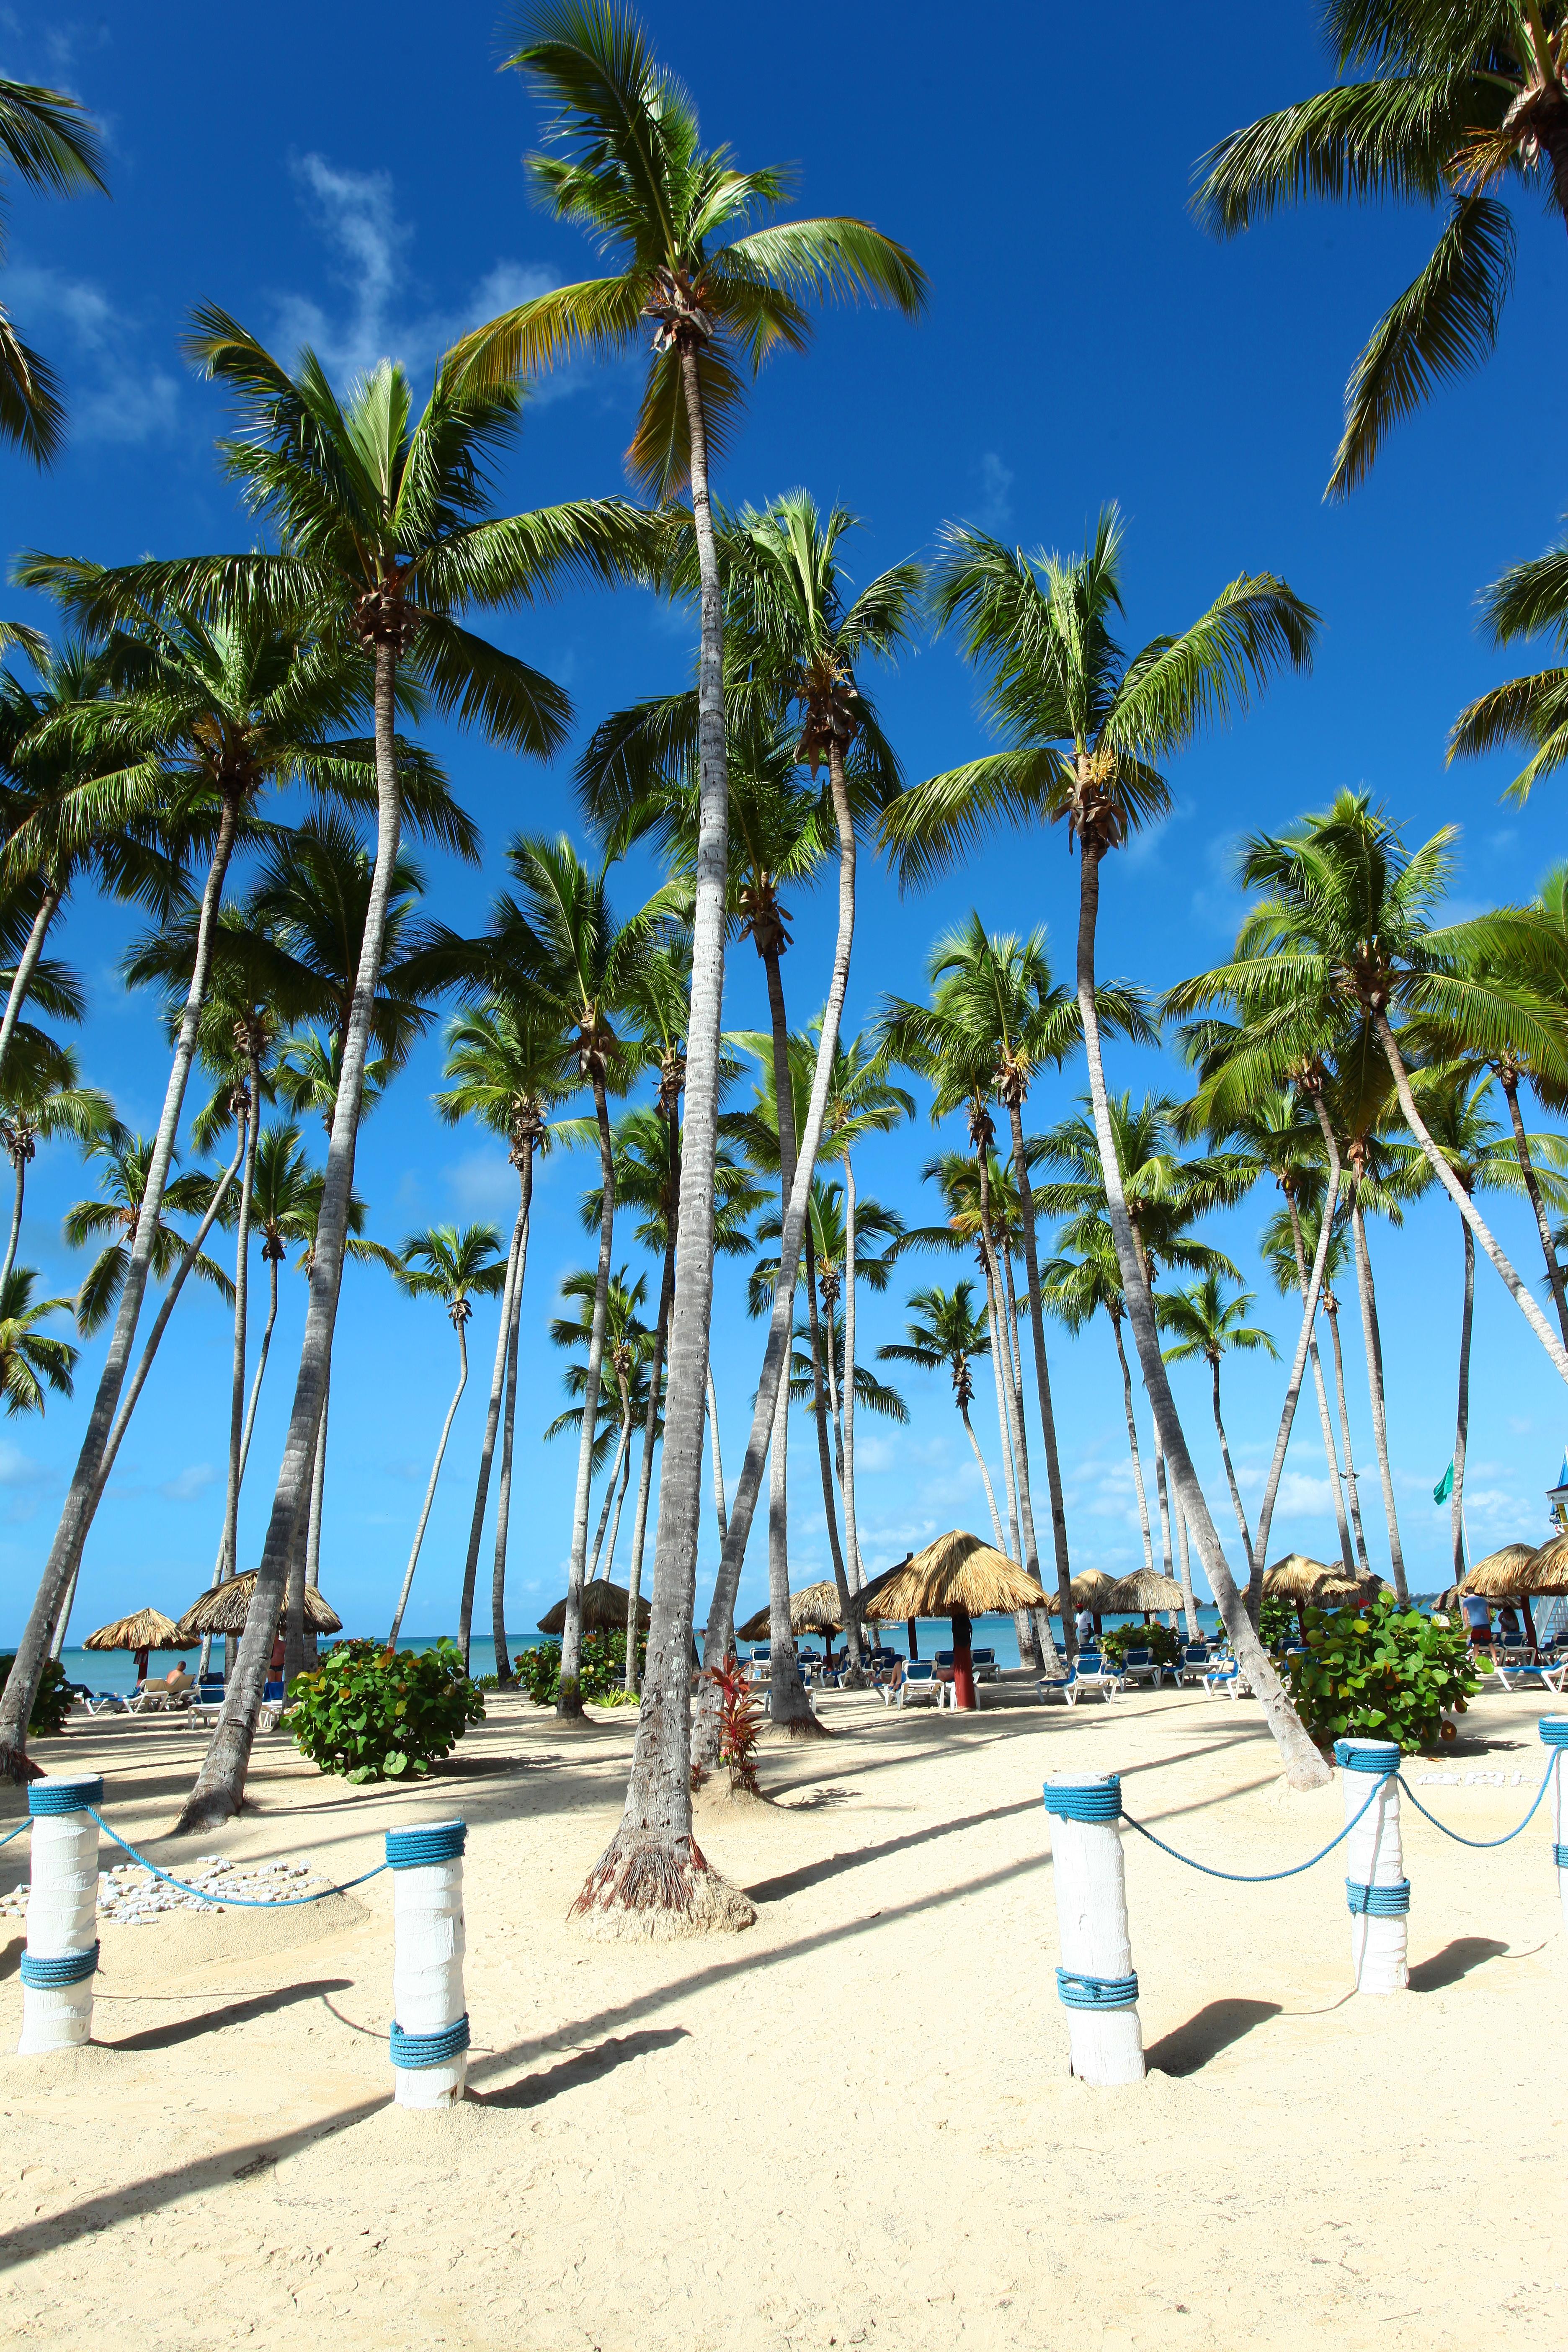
(603, 1674)
(1158, 1640)
(1277, 1623)
(371, 1714)
(53, 1702)
(1379, 1672)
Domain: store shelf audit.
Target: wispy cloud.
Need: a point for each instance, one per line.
(994, 510)
(187, 1484)
(482, 1184)
(114, 396)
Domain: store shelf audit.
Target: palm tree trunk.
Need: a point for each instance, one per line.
(516, 1260)
(720, 1512)
(1556, 1347)
(998, 1377)
(985, 1478)
(1167, 1559)
(1352, 1492)
(789, 1707)
(1509, 1080)
(653, 1864)
(1033, 1647)
(650, 1419)
(22, 1683)
(1230, 1475)
(819, 1405)
(294, 1597)
(20, 1166)
(503, 1485)
(1132, 1445)
(780, 1332)
(851, 1526)
(1293, 1390)
(1189, 1602)
(21, 978)
(1330, 1455)
(1462, 1415)
(220, 1784)
(1043, 1384)
(1374, 1343)
(569, 1695)
(430, 1489)
(620, 1499)
(307, 1537)
(241, 1315)
(622, 1460)
(1304, 1765)
(58, 1641)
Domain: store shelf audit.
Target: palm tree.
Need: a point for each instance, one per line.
(29, 1359)
(453, 1267)
(945, 1329)
(51, 143)
(1530, 600)
(1083, 724)
(1075, 1289)
(625, 1344)
(581, 964)
(1203, 1322)
(1287, 1241)
(42, 1098)
(383, 537)
(1454, 98)
(631, 170)
(119, 1212)
(503, 1059)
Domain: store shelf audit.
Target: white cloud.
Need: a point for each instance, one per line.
(117, 397)
(483, 1183)
(19, 1469)
(994, 510)
(187, 1484)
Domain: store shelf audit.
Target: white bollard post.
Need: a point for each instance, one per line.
(61, 1957)
(1095, 1981)
(1376, 1889)
(1554, 1733)
(430, 2019)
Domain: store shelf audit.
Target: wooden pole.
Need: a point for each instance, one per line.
(1095, 1979)
(428, 2005)
(1375, 1867)
(57, 1967)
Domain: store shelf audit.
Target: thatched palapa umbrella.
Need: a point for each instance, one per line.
(879, 1584)
(1515, 1570)
(1146, 1590)
(148, 1629)
(960, 1577)
(812, 1610)
(605, 1607)
(1298, 1579)
(225, 1607)
(1090, 1590)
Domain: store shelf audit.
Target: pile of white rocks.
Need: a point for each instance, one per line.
(1474, 1780)
(132, 1896)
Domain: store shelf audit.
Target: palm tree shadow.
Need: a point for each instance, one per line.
(1455, 1960)
(583, 2066)
(233, 2012)
(1215, 2028)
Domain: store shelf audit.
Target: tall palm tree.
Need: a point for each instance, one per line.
(943, 1328)
(30, 1360)
(1288, 1238)
(1077, 1288)
(503, 1060)
(1083, 724)
(42, 1097)
(50, 143)
(455, 1268)
(581, 964)
(1203, 1322)
(1530, 600)
(1453, 100)
(118, 1215)
(626, 1349)
(630, 169)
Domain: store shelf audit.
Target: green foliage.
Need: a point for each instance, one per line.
(1379, 1672)
(54, 1701)
(373, 1714)
(1277, 1623)
(603, 1673)
(1158, 1640)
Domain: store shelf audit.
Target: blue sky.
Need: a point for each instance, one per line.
(1085, 341)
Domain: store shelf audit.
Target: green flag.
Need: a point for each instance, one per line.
(1445, 1487)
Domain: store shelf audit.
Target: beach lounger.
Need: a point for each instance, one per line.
(1091, 1673)
(105, 1702)
(1050, 1686)
(147, 1702)
(1197, 1658)
(274, 1700)
(1225, 1676)
(1140, 1666)
(920, 1682)
(985, 1665)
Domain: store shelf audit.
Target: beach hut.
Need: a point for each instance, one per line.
(812, 1610)
(960, 1577)
(605, 1607)
(225, 1607)
(1144, 1592)
(148, 1629)
(1515, 1571)
(1298, 1579)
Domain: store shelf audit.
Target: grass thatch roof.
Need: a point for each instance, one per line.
(1147, 1588)
(605, 1607)
(956, 1571)
(1297, 1577)
(226, 1610)
(1518, 1568)
(148, 1629)
(812, 1610)
(1088, 1591)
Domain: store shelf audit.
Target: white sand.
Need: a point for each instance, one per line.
(851, 2125)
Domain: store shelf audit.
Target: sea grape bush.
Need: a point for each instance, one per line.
(54, 1700)
(1379, 1672)
(602, 1675)
(372, 1714)
(1158, 1640)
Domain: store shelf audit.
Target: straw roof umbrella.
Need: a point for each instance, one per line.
(1299, 1580)
(812, 1610)
(605, 1607)
(1146, 1590)
(148, 1629)
(225, 1609)
(957, 1577)
(1088, 1591)
(1515, 1570)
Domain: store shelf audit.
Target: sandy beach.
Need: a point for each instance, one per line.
(852, 2125)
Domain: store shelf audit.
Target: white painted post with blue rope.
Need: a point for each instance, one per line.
(431, 2019)
(61, 1957)
(1095, 1981)
(1376, 1889)
(1554, 1734)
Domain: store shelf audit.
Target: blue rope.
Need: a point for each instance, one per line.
(1480, 1843)
(65, 1796)
(1378, 1901)
(1553, 1729)
(1078, 1991)
(230, 1902)
(1560, 1856)
(1085, 1800)
(1256, 1877)
(68, 1969)
(15, 1832)
(440, 1842)
(1366, 1756)
(436, 2049)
